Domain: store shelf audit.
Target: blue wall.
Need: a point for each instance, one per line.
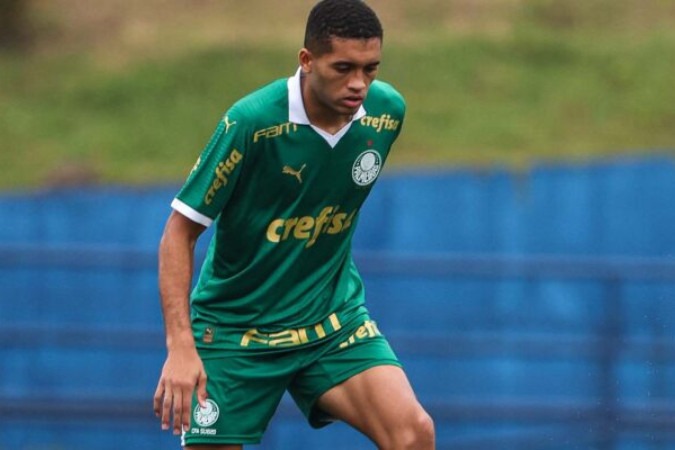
(531, 310)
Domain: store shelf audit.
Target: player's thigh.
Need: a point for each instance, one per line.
(359, 348)
(374, 401)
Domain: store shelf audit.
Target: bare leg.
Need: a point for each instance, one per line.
(380, 403)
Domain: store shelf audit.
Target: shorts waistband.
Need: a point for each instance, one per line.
(213, 337)
(291, 337)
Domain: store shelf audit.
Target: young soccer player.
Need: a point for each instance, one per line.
(279, 304)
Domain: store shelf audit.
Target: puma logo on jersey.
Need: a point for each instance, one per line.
(228, 124)
(288, 170)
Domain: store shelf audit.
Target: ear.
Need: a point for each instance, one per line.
(305, 59)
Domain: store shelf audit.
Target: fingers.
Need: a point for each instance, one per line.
(178, 411)
(173, 397)
(168, 401)
(166, 406)
(186, 409)
(201, 390)
(157, 399)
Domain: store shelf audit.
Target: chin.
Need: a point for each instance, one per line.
(344, 111)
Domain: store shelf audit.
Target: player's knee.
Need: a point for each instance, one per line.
(417, 434)
(424, 433)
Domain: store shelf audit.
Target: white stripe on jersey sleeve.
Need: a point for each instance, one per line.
(190, 213)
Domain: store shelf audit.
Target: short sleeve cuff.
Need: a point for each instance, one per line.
(190, 213)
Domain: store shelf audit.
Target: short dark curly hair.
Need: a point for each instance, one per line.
(347, 19)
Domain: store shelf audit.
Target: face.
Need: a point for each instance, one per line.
(336, 83)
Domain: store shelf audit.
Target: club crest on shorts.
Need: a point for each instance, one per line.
(366, 168)
(207, 415)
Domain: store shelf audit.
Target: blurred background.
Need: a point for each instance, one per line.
(518, 251)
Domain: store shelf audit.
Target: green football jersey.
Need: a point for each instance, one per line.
(284, 197)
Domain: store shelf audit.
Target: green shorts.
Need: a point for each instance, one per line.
(245, 387)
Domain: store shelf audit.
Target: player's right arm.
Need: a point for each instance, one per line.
(183, 370)
(201, 199)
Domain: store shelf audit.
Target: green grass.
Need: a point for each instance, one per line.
(536, 97)
(550, 88)
(143, 125)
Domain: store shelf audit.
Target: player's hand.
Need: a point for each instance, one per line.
(182, 372)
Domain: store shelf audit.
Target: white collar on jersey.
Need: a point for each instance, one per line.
(297, 113)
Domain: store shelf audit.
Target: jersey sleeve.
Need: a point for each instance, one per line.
(213, 178)
(400, 109)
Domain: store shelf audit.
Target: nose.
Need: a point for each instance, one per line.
(357, 82)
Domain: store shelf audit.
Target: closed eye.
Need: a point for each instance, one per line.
(372, 68)
(343, 68)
